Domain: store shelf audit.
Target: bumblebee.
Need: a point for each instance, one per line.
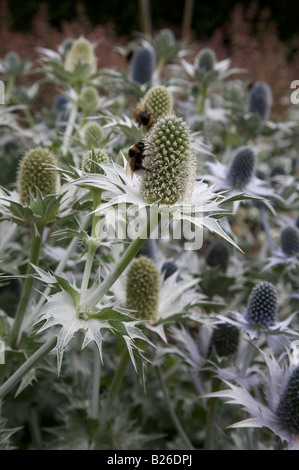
(142, 117)
(136, 156)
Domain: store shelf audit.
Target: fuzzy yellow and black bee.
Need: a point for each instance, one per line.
(135, 158)
(142, 117)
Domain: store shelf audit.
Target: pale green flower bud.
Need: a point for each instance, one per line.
(142, 288)
(158, 102)
(91, 160)
(93, 135)
(89, 99)
(35, 173)
(82, 52)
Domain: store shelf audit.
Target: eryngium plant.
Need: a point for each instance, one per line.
(92, 159)
(93, 135)
(288, 407)
(81, 52)
(289, 240)
(158, 102)
(225, 340)
(262, 305)
(169, 161)
(260, 100)
(218, 256)
(241, 169)
(35, 172)
(142, 288)
(143, 65)
(206, 59)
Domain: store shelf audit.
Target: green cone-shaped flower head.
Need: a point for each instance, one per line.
(262, 305)
(206, 59)
(170, 162)
(89, 98)
(91, 160)
(289, 240)
(93, 135)
(35, 172)
(82, 52)
(158, 102)
(142, 289)
(225, 340)
(288, 407)
(241, 169)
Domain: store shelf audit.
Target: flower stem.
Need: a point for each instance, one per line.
(203, 97)
(210, 426)
(36, 242)
(94, 402)
(27, 366)
(132, 250)
(172, 412)
(116, 382)
(69, 128)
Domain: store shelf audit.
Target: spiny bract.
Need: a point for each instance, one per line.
(169, 161)
(35, 173)
(142, 288)
(262, 305)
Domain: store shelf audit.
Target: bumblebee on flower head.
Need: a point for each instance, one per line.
(142, 117)
(136, 155)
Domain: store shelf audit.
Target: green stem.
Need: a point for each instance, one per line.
(27, 366)
(94, 402)
(69, 128)
(210, 425)
(116, 382)
(202, 100)
(9, 88)
(132, 250)
(172, 412)
(36, 242)
(29, 117)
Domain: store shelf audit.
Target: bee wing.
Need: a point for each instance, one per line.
(129, 171)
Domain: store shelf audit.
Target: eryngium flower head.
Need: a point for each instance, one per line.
(206, 59)
(241, 169)
(225, 340)
(288, 407)
(158, 102)
(92, 159)
(170, 163)
(142, 288)
(168, 269)
(82, 52)
(93, 135)
(89, 98)
(262, 305)
(218, 256)
(260, 100)
(35, 173)
(143, 65)
(289, 240)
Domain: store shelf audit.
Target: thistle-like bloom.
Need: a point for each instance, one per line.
(218, 256)
(35, 172)
(92, 160)
(168, 184)
(280, 413)
(81, 52)
(142, 288)
(206, 59)
(143, 65)
(240, 175)
(93, 135)
(224, 340)
(289, 240)
(158, 102)
(262, 305)
(260, 100)
(89, 99)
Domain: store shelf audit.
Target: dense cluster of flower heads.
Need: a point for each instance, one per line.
(191, 146)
